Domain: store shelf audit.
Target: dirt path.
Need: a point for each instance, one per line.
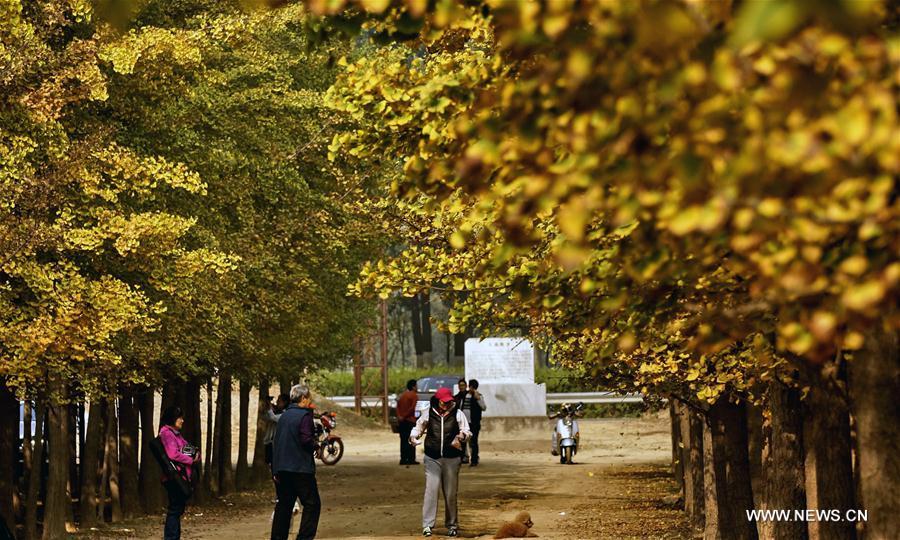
(613, 491)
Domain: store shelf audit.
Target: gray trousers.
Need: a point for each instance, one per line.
(441, 475)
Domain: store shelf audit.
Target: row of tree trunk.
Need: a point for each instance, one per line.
(837, 448)
(84, 464)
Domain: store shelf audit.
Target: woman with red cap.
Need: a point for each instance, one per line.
(446, 429)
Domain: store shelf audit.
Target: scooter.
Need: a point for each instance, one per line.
(566, 433)
(331, 447)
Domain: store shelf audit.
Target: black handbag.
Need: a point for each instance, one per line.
(169, 469)
(5, 533)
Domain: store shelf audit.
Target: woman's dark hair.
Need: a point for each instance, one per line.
(171, 414)
(461, 381)
(284, 398)
(410, 384)
(474, 383)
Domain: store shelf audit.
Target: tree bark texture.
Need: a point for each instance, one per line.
(152, 497)
(242, 475)
(416, 318)
(36, 477)
(692, 459)
(828, 457)
(427, 348)
(459, 348)
(260, 469)
(874, 377)
(785, 481)
(755, 445)
(226, 468)
(731, 471)
(89, 501)
(711, 529)
(675, 413)
(128, 452)
(58, 501)
(9, 438)
(210, 420)
(112, 463)
(193, 430)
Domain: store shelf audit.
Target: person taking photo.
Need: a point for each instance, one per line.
(183, 455)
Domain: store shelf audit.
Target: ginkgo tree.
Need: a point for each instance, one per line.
(168, 215)
(749, 152)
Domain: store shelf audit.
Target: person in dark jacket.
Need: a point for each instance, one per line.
(446, 429)
(406, 420)
(473, 406)
(294, 467)
(459, 397)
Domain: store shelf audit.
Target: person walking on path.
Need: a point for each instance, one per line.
(183, 455)
(406, 418)
(459, 397)
(446, 429)
(294, 467)
(472, 406)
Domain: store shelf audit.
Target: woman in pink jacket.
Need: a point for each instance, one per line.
(184, 455)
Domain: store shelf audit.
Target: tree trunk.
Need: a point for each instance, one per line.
(416, 319)
(226, 469)
(675, 414)
(36, 477)
(89, 502)
(209, 430)
(152, 497)
(74, 482)
(731, 472)
(242, 478)
(128, 452)
(58, 501)
(9, 437)
(755, 444)
(193, 431)
(213, 472)
(692, 458)
(459, 348)
(168, 399)
(112, 462)
(27, 438)
(711, 530)
(427, 351)
(874, 379)
(828, 458)
(783, 462)
(260, 469)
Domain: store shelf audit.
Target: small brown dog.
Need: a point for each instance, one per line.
(518, 528)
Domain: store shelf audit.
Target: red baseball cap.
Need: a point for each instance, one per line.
(444, 395)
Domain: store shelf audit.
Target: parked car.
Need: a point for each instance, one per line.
(427, 386)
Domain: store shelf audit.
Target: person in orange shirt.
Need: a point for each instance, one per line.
(406, 418)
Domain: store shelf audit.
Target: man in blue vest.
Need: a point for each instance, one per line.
(294, 467)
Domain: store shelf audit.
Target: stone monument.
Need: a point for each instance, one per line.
(504, 368)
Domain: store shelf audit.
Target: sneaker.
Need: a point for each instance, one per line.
(473, 464)
(465, 459)
(426, 531)
(453, 531)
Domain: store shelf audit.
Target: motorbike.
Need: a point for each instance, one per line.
(331, 447)
(566, 434)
